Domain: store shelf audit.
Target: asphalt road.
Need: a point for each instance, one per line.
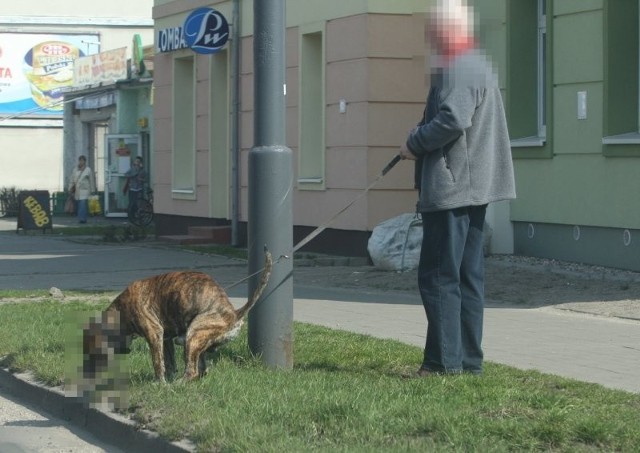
(41, 262)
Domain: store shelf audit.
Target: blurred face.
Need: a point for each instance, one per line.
(447, 26)
(81, 163)
(137, 163)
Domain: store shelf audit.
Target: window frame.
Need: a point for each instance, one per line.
(529, 63)
(542, 66)
(621, 121)
(311, 169)
(183, 179)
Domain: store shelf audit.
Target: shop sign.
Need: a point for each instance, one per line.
(96, 101)
(34, 211)
(204, 31)
(101, 68)
(170, 39)
(138, 68)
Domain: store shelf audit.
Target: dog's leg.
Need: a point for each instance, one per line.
(169, 359)
(154, 334)
(194, 362)
(203, 333)
(157, 355)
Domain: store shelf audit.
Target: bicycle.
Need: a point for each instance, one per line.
(141, 213)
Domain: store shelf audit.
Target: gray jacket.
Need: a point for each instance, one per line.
(462, 144)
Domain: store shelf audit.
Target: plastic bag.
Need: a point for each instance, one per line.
(94, 205)
(395, 244)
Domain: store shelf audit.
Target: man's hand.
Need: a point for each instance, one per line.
(405, 153)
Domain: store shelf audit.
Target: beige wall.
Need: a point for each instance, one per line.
(30, 158)
(121, 9)
(373, 61)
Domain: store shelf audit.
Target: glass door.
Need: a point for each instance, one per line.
(120, 150)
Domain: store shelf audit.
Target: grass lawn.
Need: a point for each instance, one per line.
(345, 393)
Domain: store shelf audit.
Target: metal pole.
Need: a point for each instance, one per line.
(270, 186)
(235, 126)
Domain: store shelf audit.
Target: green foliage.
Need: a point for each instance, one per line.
(9, 201)
(109, 233)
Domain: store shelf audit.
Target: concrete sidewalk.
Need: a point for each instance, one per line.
(602, 350)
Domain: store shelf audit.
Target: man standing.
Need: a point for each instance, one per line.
(136, 179)
(463, 162)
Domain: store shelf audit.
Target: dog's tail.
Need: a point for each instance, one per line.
(264, 279)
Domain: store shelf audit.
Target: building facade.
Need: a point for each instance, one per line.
(355, 85)
(572, 101)
(37, 42)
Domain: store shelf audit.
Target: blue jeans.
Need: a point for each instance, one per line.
(134, 196)
(451, 283)
(83, 210)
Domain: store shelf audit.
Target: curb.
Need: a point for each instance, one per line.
(108, 427)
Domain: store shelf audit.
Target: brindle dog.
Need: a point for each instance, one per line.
(189, 307)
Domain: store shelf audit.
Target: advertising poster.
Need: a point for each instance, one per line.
(35, 68)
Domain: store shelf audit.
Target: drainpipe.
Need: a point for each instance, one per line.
(235, 125)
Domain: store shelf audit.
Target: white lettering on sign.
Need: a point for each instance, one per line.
(170, 39)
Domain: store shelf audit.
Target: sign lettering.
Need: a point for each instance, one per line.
(40, 217)
(170, 39)
(34, 211)
(205, 31)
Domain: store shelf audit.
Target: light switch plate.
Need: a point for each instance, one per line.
(582, 105)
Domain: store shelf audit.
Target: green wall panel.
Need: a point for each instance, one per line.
(575, 6)
(578, 190)
(577, 136)
(578, 48)
(492, 29)
(600, 246)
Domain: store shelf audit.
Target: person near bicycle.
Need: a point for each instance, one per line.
(136, 180)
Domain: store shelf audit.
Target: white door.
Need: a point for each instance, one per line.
(120, 150)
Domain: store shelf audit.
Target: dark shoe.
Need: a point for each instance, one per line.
(424, 372)
(421, 373)
(82, 221)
